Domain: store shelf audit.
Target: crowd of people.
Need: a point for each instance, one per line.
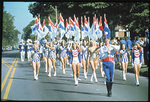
(86, 54)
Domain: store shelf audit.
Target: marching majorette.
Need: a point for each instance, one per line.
(75, 60)
(35, 61)
(136, 55)
(22, 50)
(124, 60)
(85, 60)
(107, 56)
(93, 59)
(63, 55)
(28, 45)
(51, 57)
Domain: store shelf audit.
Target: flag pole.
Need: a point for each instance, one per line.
(105, 18)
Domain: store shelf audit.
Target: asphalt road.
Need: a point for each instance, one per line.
(17, 83)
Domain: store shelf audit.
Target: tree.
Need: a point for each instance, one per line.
(10, 34)
(133, 14)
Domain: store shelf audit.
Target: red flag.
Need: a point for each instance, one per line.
(100, 24)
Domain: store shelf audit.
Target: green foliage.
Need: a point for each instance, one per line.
(9, 34)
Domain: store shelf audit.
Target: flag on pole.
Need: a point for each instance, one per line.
(100, 24)
(95, 27)
(71, 27)
(43, 32)
(35, 27)
(67, 29)
(82, 28)
(76, 29)
(51, 25)
(61, 26)
(106, 30)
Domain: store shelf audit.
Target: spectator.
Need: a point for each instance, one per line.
(147, 33)
(137, 40)
(146, 51)
(122, 41)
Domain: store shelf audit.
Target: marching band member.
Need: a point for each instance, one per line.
(45, 55)
(63, 55)
(124, 60)
(136, 55)
(75, 60)
(107, 56)
(92, 50)
(85, 60)
(22, 50)
(29, 41)
(35, 61)
(51, 58)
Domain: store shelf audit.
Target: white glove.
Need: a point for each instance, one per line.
(132, 65)
(140, 65)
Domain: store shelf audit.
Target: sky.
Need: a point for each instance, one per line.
(22, 16)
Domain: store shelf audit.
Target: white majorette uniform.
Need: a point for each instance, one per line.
(36, 56)
(45, 51)
(28, 51)
(51, 54)
(75, 56)
(63, 51)
(22, 51)
(84, 52)
(136, 56)
(124, 55)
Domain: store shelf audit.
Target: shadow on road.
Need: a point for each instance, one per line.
(22, 78)
(78, 92)
(124, 84)
(14, 54)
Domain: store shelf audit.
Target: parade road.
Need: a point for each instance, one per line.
(17, 83)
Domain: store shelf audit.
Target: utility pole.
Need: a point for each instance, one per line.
(56, 13)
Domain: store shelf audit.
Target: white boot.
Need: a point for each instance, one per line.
(54, 73)
(137, 82)
(49, 75)
(37, 77)
(76, 81)
(94, 74)
(70, 66)
(63, 71)
(103, 73)
(46, 69)
(124, 76)
(91, 78)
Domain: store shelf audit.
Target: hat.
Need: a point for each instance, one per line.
(128, 37)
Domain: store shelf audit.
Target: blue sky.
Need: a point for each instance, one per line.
(22, 16)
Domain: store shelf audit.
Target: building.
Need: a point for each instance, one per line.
(120, 31)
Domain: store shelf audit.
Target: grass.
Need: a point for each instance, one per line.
(143, 69)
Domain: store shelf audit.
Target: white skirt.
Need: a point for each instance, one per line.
(137, 61)
(75, 60)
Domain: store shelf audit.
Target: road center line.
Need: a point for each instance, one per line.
(7, 64)
(6, 77)
(10, 81)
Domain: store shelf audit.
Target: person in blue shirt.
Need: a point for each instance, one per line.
(147, 33)
(129, 44)
(22, 50)
(122, 41)
(146, 51)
